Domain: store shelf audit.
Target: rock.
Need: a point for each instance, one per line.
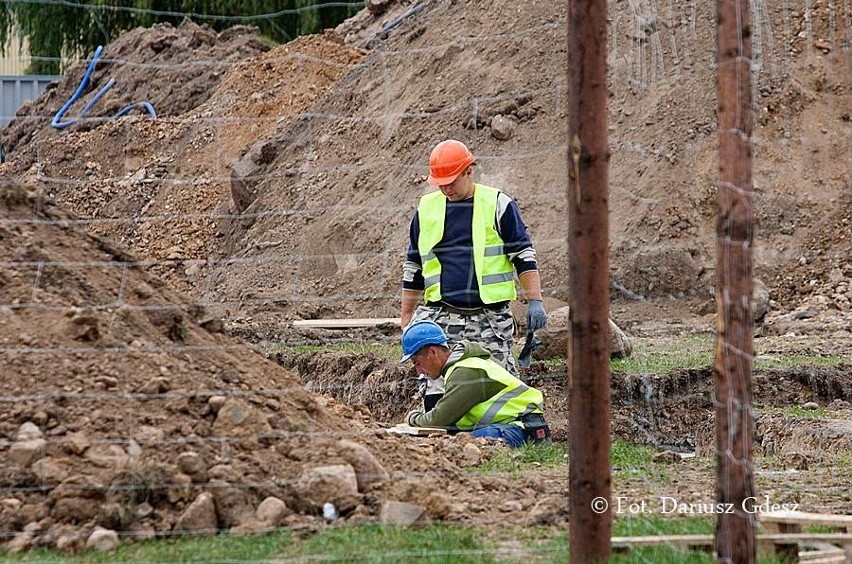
(24, 453)
(369, 472)
(71, 542)
(75, 509)
(760, 300)
(192, 464)
(556, 334)
(237, 418)
(263, 152)
(502, 127)
(104, 540)
(272, 510)
(796, 460)
(158, 385)
(28, 431)
(76, 443)
(666, 457)
(20, 542)
(335, 484)
(400, 513)
(199, 517)
(50, 470)
(245, 175)
(216, 402)
(84, 327)
(471, 455)
(377, 7)
(179, 488)
(234, 505)
(108, 456)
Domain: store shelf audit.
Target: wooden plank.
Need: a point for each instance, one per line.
(804, 518)
(700, 540)
(345, 323)
(403, 429)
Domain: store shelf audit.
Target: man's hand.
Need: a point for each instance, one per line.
(536, 317)
(411, 414)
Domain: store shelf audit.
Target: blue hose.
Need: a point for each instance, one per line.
(56, 123)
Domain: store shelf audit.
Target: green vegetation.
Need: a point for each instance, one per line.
(384, 352)
(516, 461)
(692, 351)
(375, 543)
(796, 360)
(68, 29)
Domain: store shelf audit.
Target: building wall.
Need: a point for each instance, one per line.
(16, 59)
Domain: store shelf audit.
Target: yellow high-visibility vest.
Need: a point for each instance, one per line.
(493, 269)
(507, 407)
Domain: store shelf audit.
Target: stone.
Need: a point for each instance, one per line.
(400, 513)
(236, 418)
(234, 506)
(199, 517)
(556, 334)
(471, 455)
(102, 539)
(24, 453)
(369, 472)
(335, 484)
(502, 127)
(28, 431)
(245, 175)
(192, 464)
(271, 510)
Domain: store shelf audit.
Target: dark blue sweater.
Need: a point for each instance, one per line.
(459, 286)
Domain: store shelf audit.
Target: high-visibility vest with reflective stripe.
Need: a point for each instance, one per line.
(507, 407)
(492, 266)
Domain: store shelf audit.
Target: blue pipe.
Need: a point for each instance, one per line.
(56, 123)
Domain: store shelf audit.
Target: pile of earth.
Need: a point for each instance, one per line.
(272, 211)
(126, 412)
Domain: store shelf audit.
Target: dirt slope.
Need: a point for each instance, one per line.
(119, 409)
(325, 225)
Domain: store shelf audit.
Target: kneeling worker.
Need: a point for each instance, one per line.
(480, 395)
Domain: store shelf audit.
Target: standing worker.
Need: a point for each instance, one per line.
(465, 240)
(481, 396)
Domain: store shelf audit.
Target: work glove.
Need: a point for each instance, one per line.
(411, 414)
(536, 318)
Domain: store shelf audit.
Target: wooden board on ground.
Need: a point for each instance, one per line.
(345, 323)
(416, 431)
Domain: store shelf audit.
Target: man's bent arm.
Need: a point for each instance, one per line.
(531, 283)
(410, 300)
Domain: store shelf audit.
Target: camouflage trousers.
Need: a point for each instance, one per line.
(493, 329)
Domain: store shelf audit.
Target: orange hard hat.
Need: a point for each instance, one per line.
(448, 160)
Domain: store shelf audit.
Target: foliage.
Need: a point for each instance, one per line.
(65, 29)
(535, 455)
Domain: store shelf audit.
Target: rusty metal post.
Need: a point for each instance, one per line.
(588, 243)
(735, 538)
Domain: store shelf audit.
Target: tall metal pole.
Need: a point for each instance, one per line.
(735, 540)
(588, 243)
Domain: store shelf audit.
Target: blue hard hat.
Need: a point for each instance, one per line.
(418, 335)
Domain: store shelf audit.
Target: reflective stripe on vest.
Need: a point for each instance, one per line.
(514, 401)
(492, 266)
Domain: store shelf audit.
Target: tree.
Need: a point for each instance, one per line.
(64, 29)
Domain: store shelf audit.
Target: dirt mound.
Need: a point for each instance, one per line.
(175, 69)
(123, 409)
(288, 193)
(162, 187)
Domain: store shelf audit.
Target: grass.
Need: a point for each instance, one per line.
(382, 351)
(434, 543)
(516, 461)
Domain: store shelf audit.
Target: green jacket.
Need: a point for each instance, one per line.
(471, 390)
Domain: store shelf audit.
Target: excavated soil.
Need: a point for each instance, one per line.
(149, 264)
